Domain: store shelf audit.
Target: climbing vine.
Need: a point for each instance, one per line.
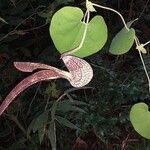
(76, 36)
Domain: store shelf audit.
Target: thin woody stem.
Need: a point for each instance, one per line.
(84, 19)
(148, 78)
(107, 8)
(136, 39)
(144, 66)
(146, 43)
(87, 16)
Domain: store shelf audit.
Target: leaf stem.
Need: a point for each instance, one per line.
(148, 78)
(107, 8)
(146, 43)
(144, 66)
(84, 19)
(87, 16)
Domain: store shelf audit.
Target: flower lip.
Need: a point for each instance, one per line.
(80, 73)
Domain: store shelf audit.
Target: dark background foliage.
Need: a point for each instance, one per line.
(118, 83)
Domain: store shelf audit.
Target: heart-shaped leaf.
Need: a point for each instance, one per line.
(123, 41)
(67, 29)
(140, 119)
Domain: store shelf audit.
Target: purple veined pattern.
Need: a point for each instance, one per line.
(80, 73)
(80, 70)
(24, 84)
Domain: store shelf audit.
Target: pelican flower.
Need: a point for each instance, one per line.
(80, 73)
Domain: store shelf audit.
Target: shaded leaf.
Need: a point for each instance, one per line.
(64, 107)
(123, 41)
(41, 134)
(74, 102)
(53, 110)
(38, 123)
(66, 123)
(52, 135)
(66, 30)
(140, 119)
(30, 127)
(60, 2)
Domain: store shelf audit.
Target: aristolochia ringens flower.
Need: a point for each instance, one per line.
(80, 73)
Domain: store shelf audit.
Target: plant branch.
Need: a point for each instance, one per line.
(15, 29)
(146, 43)
(71, 90)
(144, 66)
(107, 8)
(144, 9)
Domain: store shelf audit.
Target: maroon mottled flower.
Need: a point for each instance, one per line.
(80, 73)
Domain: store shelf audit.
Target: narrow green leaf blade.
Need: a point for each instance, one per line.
(74, 102)
(53, 110)
(40, 121)
(140, 119)
(122, 42)
(52, 134)
(41, 134)
(64, 107)
(30, 127)
(66, 123)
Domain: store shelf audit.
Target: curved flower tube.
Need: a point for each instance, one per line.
(80, 73)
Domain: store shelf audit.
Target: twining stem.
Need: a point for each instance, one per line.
(148, 78)
(136, 39)
(146, 43)
(14, 118)
(144, 66)
(86, 17)
(107, 8)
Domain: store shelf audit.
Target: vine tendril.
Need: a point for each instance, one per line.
(107, 8)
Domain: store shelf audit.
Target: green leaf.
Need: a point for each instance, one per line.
(66, 123)
(67, 29)
(123, 41)
(64, 107)
(52, 134)
(53, 110)
(60, 2)
(140, 119)
(41, 134)
(74, 102)
(31, 126)
(38, 123)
